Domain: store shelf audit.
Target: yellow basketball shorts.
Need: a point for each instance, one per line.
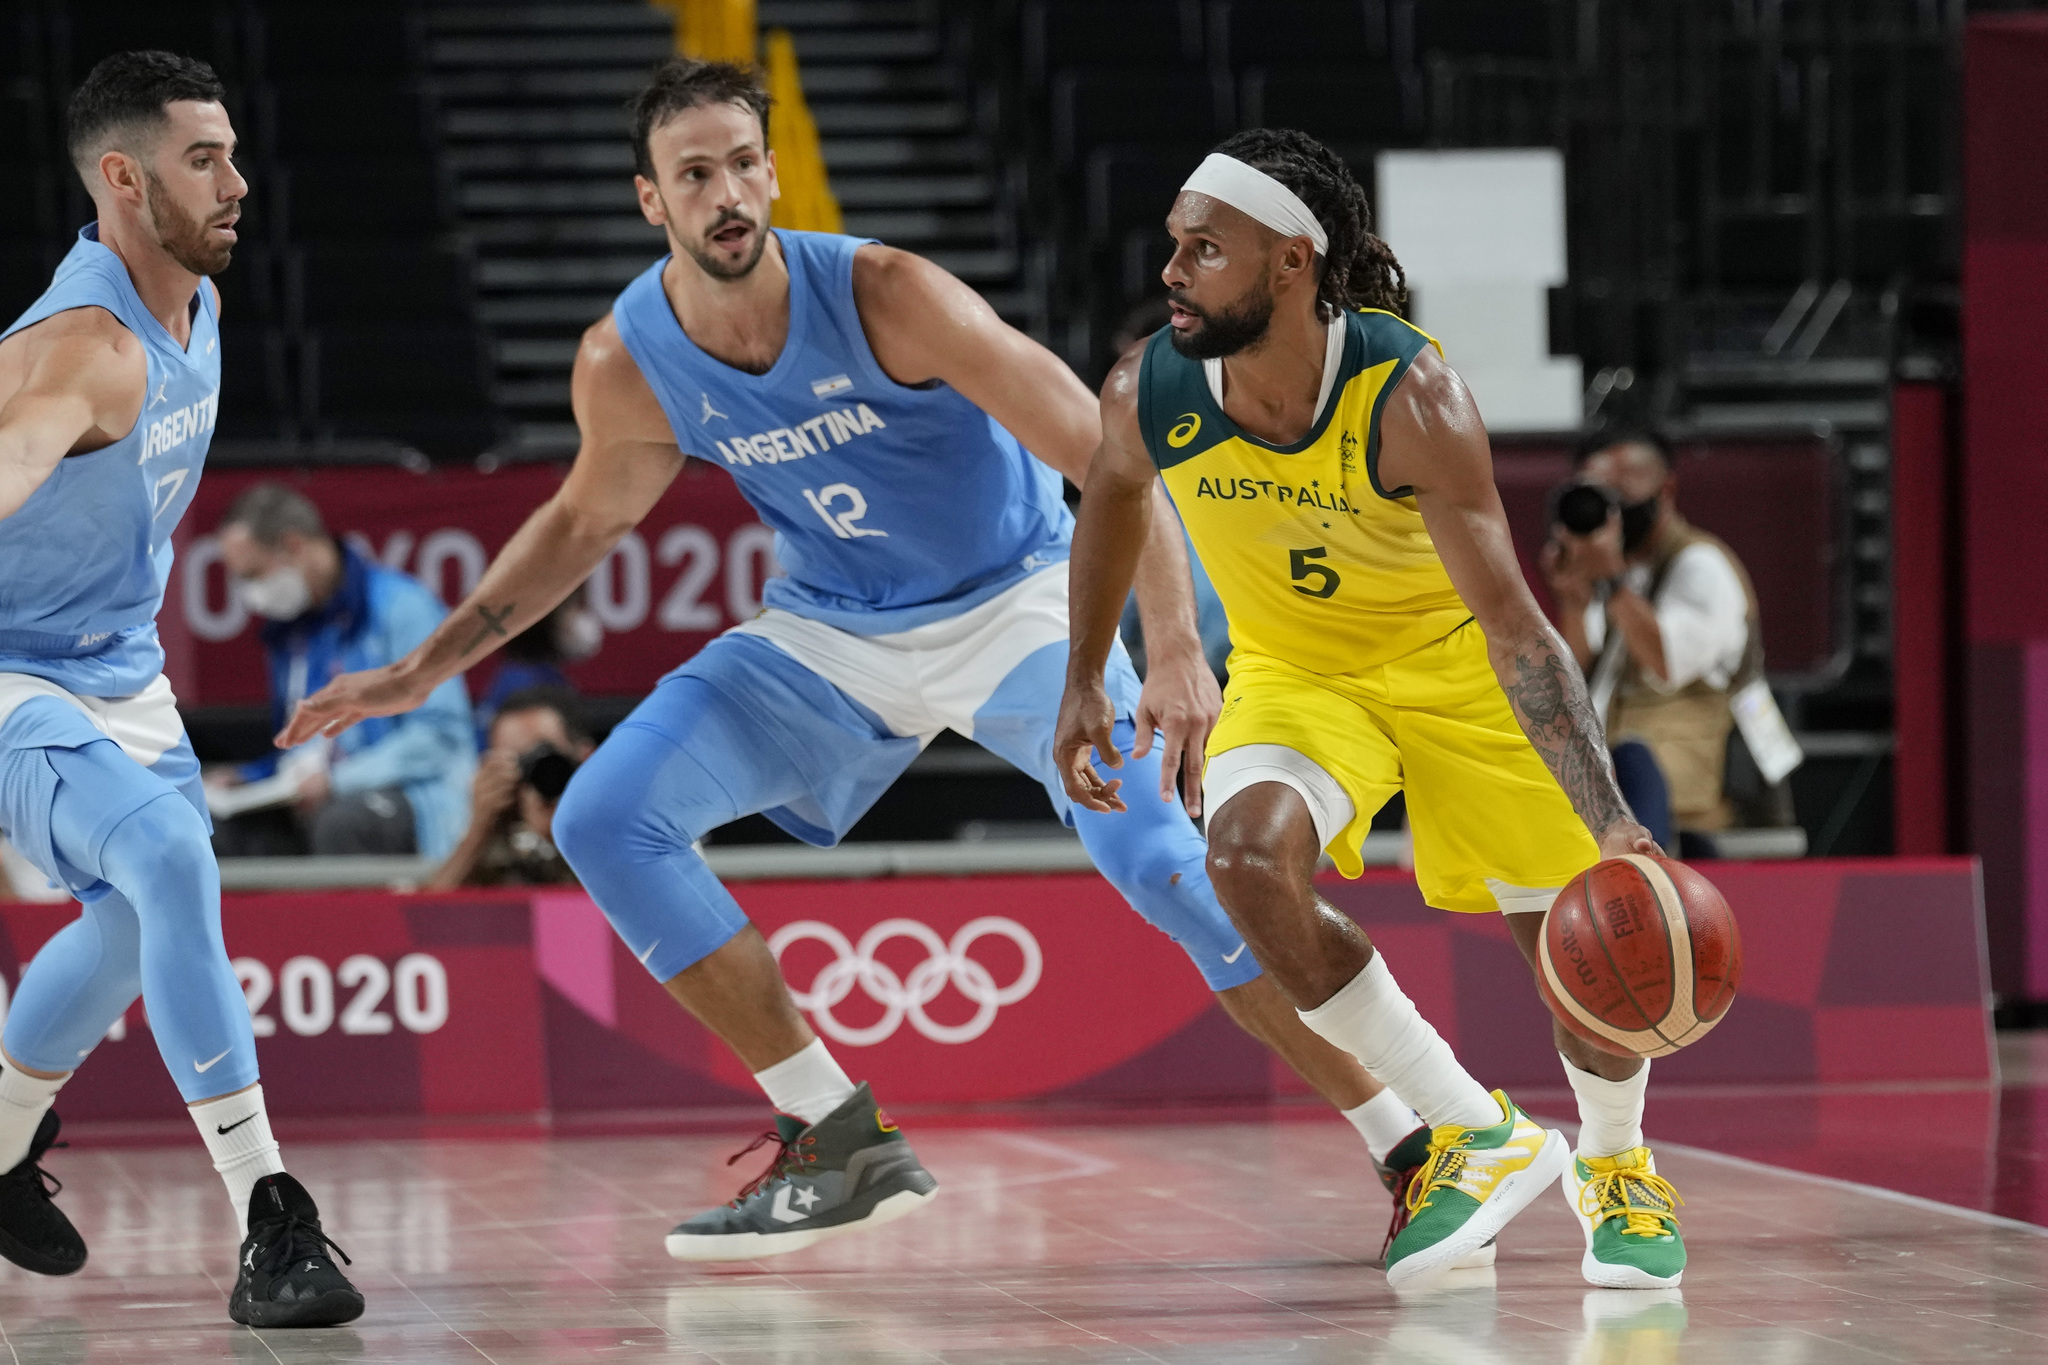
(1482, 804)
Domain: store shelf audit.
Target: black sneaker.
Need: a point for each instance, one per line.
(34, 1233)
(850, 1169)
(1402, 1165)
(286, 1277)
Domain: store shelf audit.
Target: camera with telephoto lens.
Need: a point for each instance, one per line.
(547, 770)
(1582, 508)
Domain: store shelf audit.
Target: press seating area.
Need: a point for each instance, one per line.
(348, 321)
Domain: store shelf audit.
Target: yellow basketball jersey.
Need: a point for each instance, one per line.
(1315, 562)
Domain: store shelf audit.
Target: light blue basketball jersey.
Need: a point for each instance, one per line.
(893, 506)
(87, 557)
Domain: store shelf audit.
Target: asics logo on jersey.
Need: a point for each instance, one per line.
(1311, 495)
(905, 997)
(1190, 423)
(835, 428)
(168, 433)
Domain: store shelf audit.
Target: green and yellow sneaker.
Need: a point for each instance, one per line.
(1474, 1181)
(1627, 1212)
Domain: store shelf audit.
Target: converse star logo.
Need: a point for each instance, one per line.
(806, 1197)
(780, 1210)
(711, 412)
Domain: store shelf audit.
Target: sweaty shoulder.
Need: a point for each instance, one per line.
(1175, 413)
(611, 397)
(1431, 436)
(916, 315)
(84, 353)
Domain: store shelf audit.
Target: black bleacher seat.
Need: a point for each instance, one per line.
(1883, 247)
(421, 384)
(1764, 251)
(393, 197)
(355, 40)
(1132, 187)
(24, 274)
(1093, 106)
(1133, 33)
(367, 283)
(249, 286)
(347, 118)
(1283, 33)
(1346, 106)
(255, 396)
(88, 32)
(1485, 28)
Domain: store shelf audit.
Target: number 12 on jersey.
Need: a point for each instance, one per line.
(844, 523)
(1301, 567)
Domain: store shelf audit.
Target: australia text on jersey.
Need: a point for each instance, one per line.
(834, 428)
(168, 433)
(1229, 490)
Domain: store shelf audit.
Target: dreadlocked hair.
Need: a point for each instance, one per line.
(1359, 270)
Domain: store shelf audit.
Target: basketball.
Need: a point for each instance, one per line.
(1640, 956)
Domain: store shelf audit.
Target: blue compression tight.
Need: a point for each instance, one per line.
(155, 934)
(629, 819)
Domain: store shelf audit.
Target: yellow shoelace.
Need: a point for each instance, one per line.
(1614, 1194)
(1440, 1170)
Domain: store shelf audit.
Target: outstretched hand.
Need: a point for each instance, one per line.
(348, 699)
(1087, 725)
(1181, 702)
(1626, 836)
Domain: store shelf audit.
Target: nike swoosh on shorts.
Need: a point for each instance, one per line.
(649, 953)
(1236, 955)
(203, 1067)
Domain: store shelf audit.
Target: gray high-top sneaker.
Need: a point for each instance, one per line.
(850, 1169)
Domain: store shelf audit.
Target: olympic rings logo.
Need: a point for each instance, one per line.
(903, 998)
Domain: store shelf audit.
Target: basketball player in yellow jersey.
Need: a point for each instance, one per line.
(1336, 479)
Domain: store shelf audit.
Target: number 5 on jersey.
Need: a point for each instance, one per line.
(1301, 568)
(845, 524)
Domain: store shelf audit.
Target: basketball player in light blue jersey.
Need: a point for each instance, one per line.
(883, 421)
(109, 386)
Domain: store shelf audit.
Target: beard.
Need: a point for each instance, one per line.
(718, 268)
(1229, 329)
(184, 238)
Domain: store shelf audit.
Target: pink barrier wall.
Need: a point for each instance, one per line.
(1001, 989)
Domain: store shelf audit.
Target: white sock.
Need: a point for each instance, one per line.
(237, 1133)
(1610, 1112)
(808, 1085)
(1373, 1021)
(1383, 1121)
(23, 1102)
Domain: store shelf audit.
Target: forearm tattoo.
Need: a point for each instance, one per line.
(1549, 698)
(494, 624)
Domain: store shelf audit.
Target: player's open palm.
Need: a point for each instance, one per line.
(350, 698)
(1087, 726)
(1180, 704)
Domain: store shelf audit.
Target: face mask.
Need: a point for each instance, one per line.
(1637, 520)
(578, 635)
(280, 595)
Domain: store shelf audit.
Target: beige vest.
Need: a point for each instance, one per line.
(1688, 729)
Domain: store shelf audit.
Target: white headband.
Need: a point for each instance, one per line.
(1250, 190)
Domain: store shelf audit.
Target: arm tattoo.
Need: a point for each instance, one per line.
(494, 624)
(1549, 698)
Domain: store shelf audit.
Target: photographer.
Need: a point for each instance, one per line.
(1663, 620)
(537, 739)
